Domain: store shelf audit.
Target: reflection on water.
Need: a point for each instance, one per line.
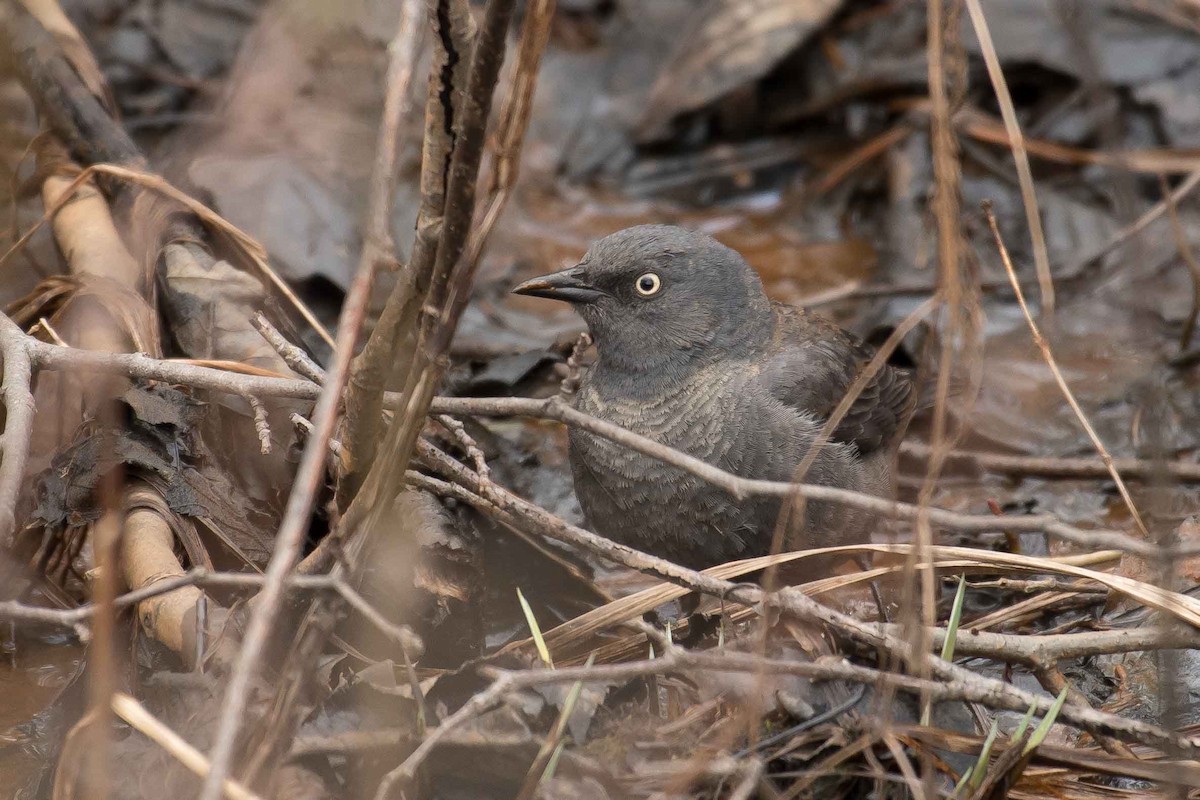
(32, 672)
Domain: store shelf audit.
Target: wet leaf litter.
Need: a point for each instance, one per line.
(797, 134)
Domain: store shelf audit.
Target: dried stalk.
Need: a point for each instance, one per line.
(1050, 467)
(1016, 139)
(947, 84)
(1044, 347)
(434, 320)
(290, 538)
(12, 611)
(97, 140)
(47, 356)
(1189, 258)
(389, 350)
(535, 32)
(794, 602)
(136, 715)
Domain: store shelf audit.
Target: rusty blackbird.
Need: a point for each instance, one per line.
(691, 353)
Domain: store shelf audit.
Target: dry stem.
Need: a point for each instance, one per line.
(794, 602)
(1008, 112)
(290, 538)
(154, 729)
(1048, 357)
(48, 356)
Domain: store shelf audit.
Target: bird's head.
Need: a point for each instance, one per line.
(655, 295)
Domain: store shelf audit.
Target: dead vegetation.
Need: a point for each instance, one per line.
(258, 559)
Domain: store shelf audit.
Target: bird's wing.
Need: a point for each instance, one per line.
(812, 365)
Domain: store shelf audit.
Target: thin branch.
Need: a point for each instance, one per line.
(479, 703)
(535, 32)
(1048, 357)
(262, 426)
(302, 424)
(14, 611)
(290, 539)
(388, 352)
(1046, 649)
(677, 659)
(137, 365)
(556, 409)
(946, 70)
(1051, 467)
(459, 433)
(792, 601)
(49, 356)
(1186, 187)
(292, 355)
(1189, 258)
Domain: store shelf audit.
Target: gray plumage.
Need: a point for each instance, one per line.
(691, 353)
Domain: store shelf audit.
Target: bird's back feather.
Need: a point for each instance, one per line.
(813, 363)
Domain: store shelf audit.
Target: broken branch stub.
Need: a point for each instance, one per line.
(408, 341)
(390, 349)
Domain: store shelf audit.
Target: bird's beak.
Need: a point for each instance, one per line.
(570, 285)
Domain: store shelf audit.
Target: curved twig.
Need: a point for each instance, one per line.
(49, 356)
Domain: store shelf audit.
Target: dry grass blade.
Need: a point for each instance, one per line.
(535, 629)
(542, 768)
(1085, 760)
(146, 723)
(1048, 357)
(1008, 112)
(1150, 161)
(634, 605)
(571, 637)
(241, 241)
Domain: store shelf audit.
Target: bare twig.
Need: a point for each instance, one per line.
(677, 659)
(479, 702)
(290, 538)
(459, 433)
(1186, 187)
(48, 356)
(739, 487)
(794, 602)
(1051, 467)
(381, 357)
(1047, 649)
(515, 120)
(62, 98)
(303, 424)
(261, 426)
(946, 72)
(433, 314)
(1048, 357)
(366, 385)
(11, 610)
(292, 355)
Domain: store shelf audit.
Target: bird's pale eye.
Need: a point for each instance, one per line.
(648, 284)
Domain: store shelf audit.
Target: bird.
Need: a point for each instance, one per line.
(691, 353)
